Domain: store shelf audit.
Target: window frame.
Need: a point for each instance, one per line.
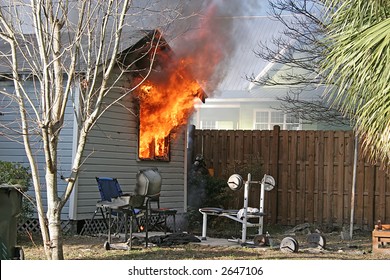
(270, 124)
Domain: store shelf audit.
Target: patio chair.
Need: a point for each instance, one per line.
(148, 187)
(111, 192)
(160, 215)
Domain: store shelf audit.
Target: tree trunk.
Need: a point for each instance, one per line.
(55, 247)
(55, 232)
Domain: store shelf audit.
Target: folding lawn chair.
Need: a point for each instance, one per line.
(110, 190)
(160, 215)
(148, 187)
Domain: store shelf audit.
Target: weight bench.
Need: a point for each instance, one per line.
(380, 238)
(243, 215)
(231, 214)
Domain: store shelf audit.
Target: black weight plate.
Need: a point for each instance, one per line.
(316, 240)
(260, 240)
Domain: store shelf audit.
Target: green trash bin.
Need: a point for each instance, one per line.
(10, 209)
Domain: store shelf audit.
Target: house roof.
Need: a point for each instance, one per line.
(142, 16)
(28, 48)
(250, 32)
(264, 93)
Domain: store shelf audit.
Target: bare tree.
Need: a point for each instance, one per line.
(59, 47)
(299, 50)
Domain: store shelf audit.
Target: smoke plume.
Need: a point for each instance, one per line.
(211, 38)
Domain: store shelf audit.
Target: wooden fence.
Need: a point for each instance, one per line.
(313, 171)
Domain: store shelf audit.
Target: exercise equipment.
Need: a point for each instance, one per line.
(235, 183)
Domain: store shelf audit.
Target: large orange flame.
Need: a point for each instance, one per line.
(168, 96)
(165, 105)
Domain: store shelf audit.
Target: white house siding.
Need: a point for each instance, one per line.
(13, 151)
(239, 108)
(111, 151)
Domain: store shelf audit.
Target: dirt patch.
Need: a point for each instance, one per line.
(91, 248)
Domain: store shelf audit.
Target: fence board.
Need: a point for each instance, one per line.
(339, 191)
(282, 189)
(301, 176)
(379, 190)
(214, 139)
(313, 172)
(310, 177)
(293, 177)
(370, 190)
(329, 147)
(320, 159)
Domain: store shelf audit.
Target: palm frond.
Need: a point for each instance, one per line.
(358, 65)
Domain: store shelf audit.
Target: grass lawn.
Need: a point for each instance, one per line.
(81, 247)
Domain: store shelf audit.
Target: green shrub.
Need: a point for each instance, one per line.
(16, 174)
(216, 193)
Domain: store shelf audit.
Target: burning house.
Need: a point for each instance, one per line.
(143, 121)
(154, 93)
(164, 93)
(145, 129)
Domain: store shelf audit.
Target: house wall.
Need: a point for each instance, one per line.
(111, 151)
(229, 114)
(241, 114)
(11, 142)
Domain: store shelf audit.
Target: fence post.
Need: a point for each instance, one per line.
(274, 157)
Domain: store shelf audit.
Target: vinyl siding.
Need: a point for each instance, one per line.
(12, 149)
(111, 151)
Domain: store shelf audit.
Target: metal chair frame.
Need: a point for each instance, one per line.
(109, 189)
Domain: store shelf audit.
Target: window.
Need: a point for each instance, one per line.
(262, 120)
(216, 125)
(208, 124)
(155, 149)
(225, 125)
(292, 123)
(277, 118)
(268, 119)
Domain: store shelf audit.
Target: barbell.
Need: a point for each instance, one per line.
(235, 182)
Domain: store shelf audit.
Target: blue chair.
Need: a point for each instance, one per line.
(109, 189)
(115, 204)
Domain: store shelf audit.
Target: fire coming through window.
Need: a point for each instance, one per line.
(166, 101)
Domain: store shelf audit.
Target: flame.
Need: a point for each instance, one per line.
(164, 106)
(179, 77)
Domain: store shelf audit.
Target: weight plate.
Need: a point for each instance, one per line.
(235, 182)
(107, 245)
(289, 245)
(18, 253)
(261, 240)
(316, 240)
(269, 182)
